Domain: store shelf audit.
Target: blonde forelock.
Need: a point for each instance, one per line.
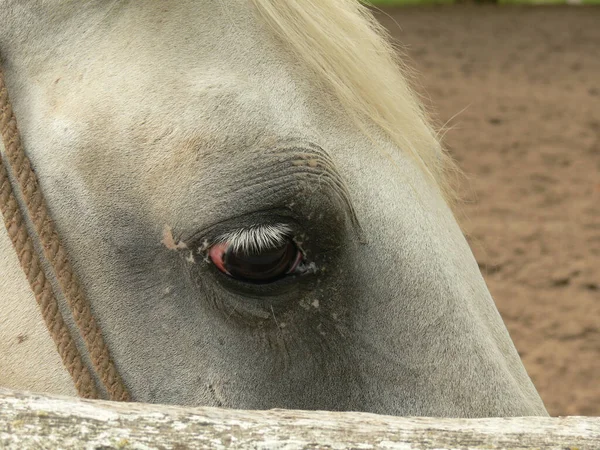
(351, 53)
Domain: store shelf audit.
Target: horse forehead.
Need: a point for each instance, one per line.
(212, 108)
(145, 101)
(167, 96)
(169, 72)
(219, 121)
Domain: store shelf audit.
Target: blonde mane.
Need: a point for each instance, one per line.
(351, 53)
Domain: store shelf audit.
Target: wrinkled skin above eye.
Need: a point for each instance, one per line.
(256, 266)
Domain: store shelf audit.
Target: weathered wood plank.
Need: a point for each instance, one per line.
(39, 421)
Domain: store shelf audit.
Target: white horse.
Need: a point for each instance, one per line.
(254, 203)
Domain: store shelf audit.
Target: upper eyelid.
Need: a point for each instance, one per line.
(256, 238)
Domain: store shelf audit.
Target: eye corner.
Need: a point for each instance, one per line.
(216, 253)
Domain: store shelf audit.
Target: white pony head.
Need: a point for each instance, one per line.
(255, 204)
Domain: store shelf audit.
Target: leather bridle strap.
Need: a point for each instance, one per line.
(27, 184)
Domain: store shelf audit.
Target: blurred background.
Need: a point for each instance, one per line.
(518, 89)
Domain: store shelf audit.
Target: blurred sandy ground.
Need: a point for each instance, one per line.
(520, 88)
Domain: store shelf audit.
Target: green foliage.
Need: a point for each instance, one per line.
(406, 2)
(503, 2)
(549, 2)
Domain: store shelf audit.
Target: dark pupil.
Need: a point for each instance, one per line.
(263, 266)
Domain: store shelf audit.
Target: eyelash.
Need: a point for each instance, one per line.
(256, 238)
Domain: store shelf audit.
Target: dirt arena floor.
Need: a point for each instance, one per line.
(520, 89)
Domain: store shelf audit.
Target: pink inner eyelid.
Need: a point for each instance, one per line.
(299, 258)
(216, 254)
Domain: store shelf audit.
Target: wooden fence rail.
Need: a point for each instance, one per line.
(30, 421)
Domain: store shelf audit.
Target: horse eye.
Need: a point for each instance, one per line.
(261, 266)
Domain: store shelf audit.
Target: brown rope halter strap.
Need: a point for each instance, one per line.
(26, 182)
